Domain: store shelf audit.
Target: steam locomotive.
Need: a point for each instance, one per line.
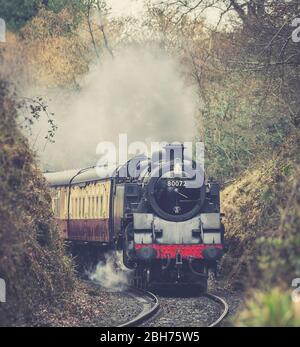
(160, 212)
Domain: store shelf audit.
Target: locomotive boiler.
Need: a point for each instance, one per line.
(160, 212)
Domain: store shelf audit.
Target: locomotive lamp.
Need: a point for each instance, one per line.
(178, 167)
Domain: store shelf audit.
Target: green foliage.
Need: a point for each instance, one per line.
(278, 253)
(274, 308)
(17, 13)
(262, 221)
(59, 5)
(237, 127)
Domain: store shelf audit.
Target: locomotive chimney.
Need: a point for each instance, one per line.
(175, 155)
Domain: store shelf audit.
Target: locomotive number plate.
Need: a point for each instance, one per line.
(176, 183)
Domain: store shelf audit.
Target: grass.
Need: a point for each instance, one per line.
(274, 308)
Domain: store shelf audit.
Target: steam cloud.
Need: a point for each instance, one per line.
(111, 273)
(141, 92)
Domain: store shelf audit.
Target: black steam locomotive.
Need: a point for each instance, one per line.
(159, 211)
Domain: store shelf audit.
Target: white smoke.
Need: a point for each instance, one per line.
(141, 92)
(111, 273)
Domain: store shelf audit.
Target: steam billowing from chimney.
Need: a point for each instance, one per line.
(141, 92)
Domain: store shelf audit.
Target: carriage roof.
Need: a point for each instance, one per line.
(92, 174)
(63, 178)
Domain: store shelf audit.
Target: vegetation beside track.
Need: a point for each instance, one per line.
(262, 209)
(33, 261)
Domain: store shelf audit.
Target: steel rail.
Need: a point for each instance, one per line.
(151, 306)
(224, 312)
(148, 313)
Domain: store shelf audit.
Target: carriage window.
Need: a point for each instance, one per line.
(83, 207)
(65, 204)
(101, 206)
(75, 207)
(93, 207)
(97, 206)
(56, 207)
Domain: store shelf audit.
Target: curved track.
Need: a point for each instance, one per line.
(151, 305)
(225, 310)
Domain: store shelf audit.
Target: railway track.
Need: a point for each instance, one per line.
(224, 312)
(151, 306)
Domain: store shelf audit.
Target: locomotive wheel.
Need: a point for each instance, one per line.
(141, 277)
